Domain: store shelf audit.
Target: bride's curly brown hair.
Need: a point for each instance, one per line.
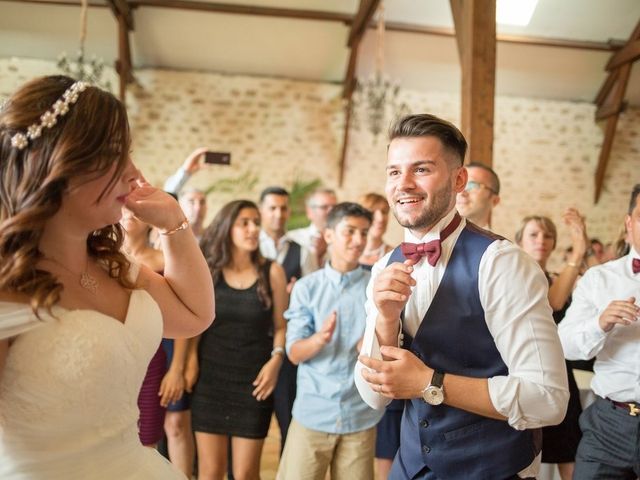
(84, 143)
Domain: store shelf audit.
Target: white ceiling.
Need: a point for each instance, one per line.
(316, 50)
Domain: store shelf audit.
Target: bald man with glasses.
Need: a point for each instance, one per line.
(481, 194)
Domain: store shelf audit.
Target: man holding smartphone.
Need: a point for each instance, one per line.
(193, 201)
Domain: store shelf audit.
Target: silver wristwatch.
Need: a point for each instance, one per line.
(433, 394)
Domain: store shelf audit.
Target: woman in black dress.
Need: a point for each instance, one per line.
(241, 353)
(537, 236)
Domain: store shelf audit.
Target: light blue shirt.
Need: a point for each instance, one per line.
(327, 399)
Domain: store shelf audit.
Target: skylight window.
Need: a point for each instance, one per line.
(515, 12)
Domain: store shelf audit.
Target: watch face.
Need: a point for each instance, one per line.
(433, 395)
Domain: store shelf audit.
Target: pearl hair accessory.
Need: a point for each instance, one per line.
(49, 118)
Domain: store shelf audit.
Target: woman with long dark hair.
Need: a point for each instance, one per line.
(241, 354)
(78, 321)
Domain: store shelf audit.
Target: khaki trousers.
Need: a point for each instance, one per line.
(308, 454)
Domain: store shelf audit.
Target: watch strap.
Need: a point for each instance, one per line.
(437, 380)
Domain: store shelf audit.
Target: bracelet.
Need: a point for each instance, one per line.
(183, 226)
(277, 351)
(573, 264)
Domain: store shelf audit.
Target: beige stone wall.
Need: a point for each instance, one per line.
(280, 131)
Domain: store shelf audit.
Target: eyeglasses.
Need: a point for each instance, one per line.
(322, 207)
(472, 185)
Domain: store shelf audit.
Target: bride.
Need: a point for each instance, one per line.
(78, 321)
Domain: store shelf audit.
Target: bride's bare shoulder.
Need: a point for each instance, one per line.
(13, 297)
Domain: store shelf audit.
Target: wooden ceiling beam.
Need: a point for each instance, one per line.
(363, 17)
(629, 53)
(63, 3)
(245, 10)
(606, 88)
(458, 30)
(121, 7)
(609, 109)
(477, 37)
(610, 129)
(123, 65)
(366, 10)
(610, 46)
(610, 101)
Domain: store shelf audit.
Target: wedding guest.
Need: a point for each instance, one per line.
(241, 354)
(483, 369)
(538, 236)
(602, 322)
(375, 248)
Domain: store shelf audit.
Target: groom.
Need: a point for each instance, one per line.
(482, 367)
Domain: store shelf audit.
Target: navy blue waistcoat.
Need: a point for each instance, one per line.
(443, 441)
(291, 262)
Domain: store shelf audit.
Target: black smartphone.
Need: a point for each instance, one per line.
(217, 158)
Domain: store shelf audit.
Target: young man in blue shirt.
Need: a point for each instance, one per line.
(332, 427)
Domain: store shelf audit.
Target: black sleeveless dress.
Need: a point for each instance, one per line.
(231, 352)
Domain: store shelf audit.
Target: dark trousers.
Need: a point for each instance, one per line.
(609, 445)
(283, 396)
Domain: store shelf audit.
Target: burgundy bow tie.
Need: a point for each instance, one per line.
(433, 249)
(415, 251)
(635, 265)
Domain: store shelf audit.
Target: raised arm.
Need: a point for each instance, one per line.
(185, 292)
(191, 165)
(307, 348)
(562, 286)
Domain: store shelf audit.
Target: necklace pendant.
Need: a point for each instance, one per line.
(88, 282)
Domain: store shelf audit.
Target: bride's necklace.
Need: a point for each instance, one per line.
(87, 281)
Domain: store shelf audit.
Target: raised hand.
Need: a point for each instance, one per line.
(578, 230)
(391, 290)
(193, 162)
(328, 327)
(154, 207)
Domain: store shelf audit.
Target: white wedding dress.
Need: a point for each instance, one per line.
(68, 394)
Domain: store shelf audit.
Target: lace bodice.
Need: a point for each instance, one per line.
(68, 393)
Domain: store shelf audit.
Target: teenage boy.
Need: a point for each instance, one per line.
(332, 427)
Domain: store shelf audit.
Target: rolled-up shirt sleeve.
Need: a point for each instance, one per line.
(300, 321)
(514, 294)
(370, 345)
(175, 182)
(580, 332)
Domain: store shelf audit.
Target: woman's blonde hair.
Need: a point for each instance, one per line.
(85, 142)
(544, 222)
(373, 202)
